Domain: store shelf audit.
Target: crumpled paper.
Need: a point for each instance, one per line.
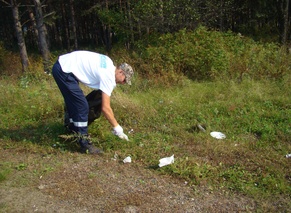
(166, 161)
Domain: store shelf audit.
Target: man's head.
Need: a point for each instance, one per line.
(127, 71)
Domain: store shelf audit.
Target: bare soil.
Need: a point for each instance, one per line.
(74, 182)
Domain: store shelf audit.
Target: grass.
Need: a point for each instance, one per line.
(254, 115)
(254, 118)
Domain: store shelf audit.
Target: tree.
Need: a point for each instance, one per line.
(42, 36)
(101, 23)
(74, 29)
(286, 23)
(33, 25)
(19, 34)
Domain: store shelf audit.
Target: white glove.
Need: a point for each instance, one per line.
(118, 131)
(123, 136)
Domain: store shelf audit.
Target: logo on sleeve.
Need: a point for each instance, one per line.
(103, 61)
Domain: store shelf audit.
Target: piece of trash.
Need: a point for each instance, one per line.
(166, 161)
(201, 128)
(217, 135)
(288, 156)
(115, 157)
(127, 160)
(41, 187)
(130, 131)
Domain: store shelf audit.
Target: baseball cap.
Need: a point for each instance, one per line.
(128, 72)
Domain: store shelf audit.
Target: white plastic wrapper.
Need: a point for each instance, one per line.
(217, 135)
(127, 160)
(166, 161)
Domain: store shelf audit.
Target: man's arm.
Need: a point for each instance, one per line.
(107, 110)
(109, 115)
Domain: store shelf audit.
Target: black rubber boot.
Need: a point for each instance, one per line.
(87, 146)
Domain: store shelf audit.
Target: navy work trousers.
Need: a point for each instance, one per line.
(76, 103)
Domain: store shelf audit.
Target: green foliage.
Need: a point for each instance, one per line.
(26, 108)
(116, 20)
(211, 55)
(21, 167)
(165, 16)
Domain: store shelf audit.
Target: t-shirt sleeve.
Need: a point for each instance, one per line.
(106, 86)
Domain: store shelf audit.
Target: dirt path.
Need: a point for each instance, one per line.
(72, 182)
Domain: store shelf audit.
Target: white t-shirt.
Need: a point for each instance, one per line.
(92, 69)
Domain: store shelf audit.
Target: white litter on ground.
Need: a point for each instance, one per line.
(127, 160)
(166, 161)
(217, 135)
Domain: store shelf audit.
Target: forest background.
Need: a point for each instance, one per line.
(45, 26)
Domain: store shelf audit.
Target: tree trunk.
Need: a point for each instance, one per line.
(19, 35)
(42, 36)
(221, 16)
(161, 16)
(130, 23)
(65, 25)
(286, 23)
(107, 32)
(74, 24)
(33, 23)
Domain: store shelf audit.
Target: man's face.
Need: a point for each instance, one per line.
(120, 77)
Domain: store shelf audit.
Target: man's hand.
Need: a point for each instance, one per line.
(118, 131)
(123, 137)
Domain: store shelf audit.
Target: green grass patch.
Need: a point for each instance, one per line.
(254, 115)
(4, 172)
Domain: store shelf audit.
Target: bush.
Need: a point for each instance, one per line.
(212, 55)
(198, 55)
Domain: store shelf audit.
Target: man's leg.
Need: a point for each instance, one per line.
(77, 106)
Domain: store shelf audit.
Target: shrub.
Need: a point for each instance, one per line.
(198, 55)
(212, 55)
